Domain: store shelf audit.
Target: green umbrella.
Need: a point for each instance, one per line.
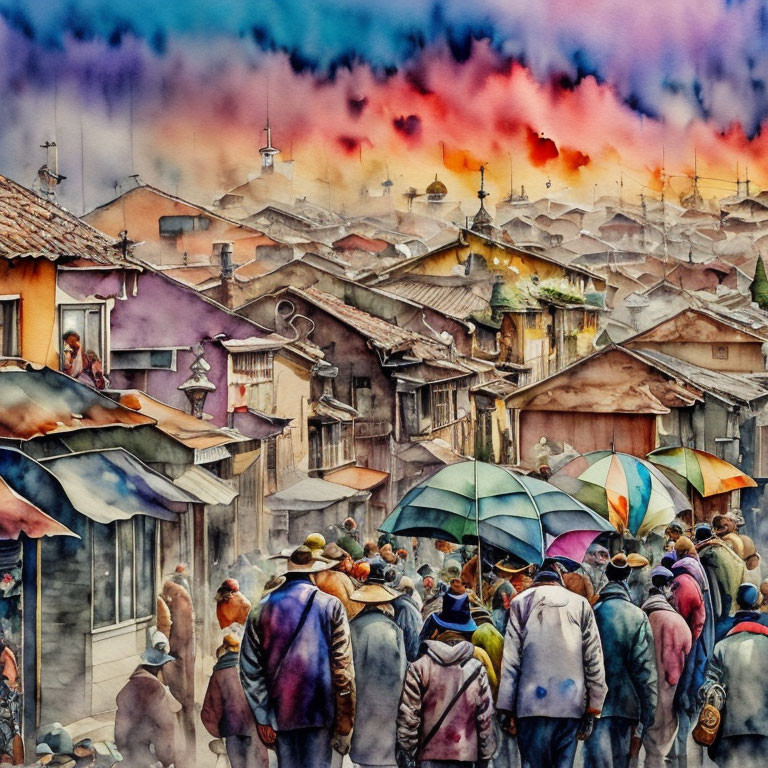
(508, 510)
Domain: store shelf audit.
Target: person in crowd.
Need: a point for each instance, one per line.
(725, 528)
(672, 533)
(181, 577)
(370, 550)
(226, 714)
(337, 579)
(736, 665)
(724, 569)
(445, 716)
(349, 540)
(630, 671)
(672, 640)
(380, 661)
(553, 676)
(316, 543)
(748, 600)
(147, 731)
(179, 675)
(297, 670)
(432, 592)
(408, 617)
(639, 581)
(595, 561)
(232, 606)
(501, 593)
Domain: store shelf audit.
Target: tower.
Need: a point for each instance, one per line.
(482, 221)
(269, 152)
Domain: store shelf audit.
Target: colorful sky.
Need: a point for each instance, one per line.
(582, 94)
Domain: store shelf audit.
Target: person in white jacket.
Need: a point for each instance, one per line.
(552, 677)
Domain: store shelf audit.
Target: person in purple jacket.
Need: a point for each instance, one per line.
(297, 671)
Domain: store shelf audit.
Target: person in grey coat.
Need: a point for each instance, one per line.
(552, 676)
(380, 661)
(738, 664)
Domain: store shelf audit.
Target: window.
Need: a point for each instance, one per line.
(143, 359)
(363, 393)
(719, 351)
(173, 226)
(123, 555)
(444, 403)
(9, 325)
(258, 366)
(87, 321)
(331, 445)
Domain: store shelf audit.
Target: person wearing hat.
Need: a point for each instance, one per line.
(630, 670)
(737, 664)
(179, 676)
(226, 714)
(445, 716)
(296, 668)
(748, 599)
(147, 728)
(724, 568)
(316, 542)
(639, 581)
(502, 591)
(432, 590)
(726, 528)
(349, 541)
(380, 660)
(552, 679)
(408, 617)
(232, 606)
(672, 640)
(595, 560)
(336, 579)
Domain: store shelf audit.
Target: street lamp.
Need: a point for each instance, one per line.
(197, 387)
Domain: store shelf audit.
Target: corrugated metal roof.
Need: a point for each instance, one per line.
(36, 228)
(114, 485)
(310, 493)
(186, 429)
(206, 486)
(453, 298)
(36, 402)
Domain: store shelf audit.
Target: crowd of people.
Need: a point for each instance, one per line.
(363, 649)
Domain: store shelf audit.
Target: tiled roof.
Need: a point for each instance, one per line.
(453, 296)
(36, 228)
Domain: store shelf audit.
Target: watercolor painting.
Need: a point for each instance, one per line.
(383, 384)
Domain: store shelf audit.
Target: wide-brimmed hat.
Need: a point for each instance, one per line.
(156, 654)
(636, 560)
(302, 560)
(374, 593)
(333, 553)
(618, 568)
(511, 567)
(660, 572)
(455, 614)
(426, 570)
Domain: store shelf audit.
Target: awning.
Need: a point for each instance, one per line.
(114, 485)
(310, 493)
(212, 454)
(430, 452)
(18, 515)
(206, 486)
(361, 478)
(258, 425)
(328, 409)
(256, 343)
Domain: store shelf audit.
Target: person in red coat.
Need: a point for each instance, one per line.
(232, 606)
(226, 713)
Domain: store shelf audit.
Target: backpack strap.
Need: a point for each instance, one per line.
(296, 631)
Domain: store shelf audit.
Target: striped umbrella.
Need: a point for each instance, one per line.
(629, 492)
(707, 473)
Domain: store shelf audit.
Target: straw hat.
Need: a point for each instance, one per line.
(375, 589)
(635, 560)
(333, 553)
(302, 560)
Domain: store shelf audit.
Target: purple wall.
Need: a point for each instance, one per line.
(164, 313)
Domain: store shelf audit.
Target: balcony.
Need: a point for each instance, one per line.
(365, 430)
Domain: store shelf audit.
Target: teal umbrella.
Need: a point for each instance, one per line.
(506, 509)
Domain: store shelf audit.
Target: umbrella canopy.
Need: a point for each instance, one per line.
(514, 511)
(707, 473)
(18, 515)
(629, 492)
(573, 544)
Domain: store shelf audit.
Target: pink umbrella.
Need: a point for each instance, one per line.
(572, 544)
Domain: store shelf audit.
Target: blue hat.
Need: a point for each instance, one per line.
(669, 559)
(703, 532)
(661, 571)
(747, 596)
(455, 614)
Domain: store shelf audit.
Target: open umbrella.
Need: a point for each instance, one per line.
(573, 544)
(508, 510)
(707, 473)
(18, 515)
(629, 492)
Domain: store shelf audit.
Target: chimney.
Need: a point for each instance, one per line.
(222, 257)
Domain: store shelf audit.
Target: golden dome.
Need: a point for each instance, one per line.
(437, 189)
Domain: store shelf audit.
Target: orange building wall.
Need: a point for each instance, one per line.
(35, 281)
